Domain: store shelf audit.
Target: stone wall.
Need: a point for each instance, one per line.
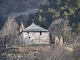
(35, 38)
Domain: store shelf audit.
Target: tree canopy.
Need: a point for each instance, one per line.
(67, 9)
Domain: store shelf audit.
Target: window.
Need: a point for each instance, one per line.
(28, 32)
(40, 33)
(29, 37)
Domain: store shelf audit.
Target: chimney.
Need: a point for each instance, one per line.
(21, 27)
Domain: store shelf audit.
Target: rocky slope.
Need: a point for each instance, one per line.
(17, 8)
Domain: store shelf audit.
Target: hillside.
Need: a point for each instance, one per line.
(60, 17)
(12, 12)
(17, 8)
(64, 15)
(55, 9)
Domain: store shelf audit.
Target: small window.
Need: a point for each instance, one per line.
(29, 37)
(40, 33)
(28, 32)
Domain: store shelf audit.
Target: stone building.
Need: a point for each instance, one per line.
(33, 34)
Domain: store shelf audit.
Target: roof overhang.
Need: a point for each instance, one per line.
(32, 31)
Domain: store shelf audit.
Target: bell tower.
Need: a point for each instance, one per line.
(21, 27)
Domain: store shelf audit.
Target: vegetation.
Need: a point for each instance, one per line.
(67, 9)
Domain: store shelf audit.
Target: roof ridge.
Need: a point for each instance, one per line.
(34, 27)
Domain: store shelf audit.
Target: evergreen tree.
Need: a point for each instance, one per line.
(78, 3)
(44, 19)
(68, 9)
(40, 18)
(40, 10)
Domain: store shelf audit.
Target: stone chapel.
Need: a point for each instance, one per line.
(33, 34)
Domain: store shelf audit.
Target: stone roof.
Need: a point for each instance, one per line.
(33, 27)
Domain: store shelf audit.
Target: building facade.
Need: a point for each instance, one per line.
(33, 34)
